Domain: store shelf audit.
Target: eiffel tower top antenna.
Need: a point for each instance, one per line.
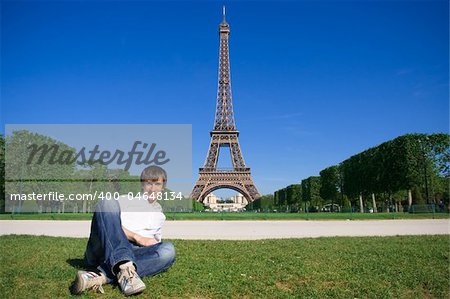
(224, 120)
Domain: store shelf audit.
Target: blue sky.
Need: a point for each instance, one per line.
(313, 82)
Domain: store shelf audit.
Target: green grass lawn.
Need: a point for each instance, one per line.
(342, 267)
(241, 216)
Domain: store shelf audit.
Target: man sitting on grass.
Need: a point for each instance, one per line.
(125, 239)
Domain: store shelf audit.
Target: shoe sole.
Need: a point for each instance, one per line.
(137, 291)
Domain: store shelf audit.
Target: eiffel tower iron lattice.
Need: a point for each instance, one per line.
(223, 135)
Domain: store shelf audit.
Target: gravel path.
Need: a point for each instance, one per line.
(244, 230)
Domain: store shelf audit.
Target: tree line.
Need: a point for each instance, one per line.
(412, 169)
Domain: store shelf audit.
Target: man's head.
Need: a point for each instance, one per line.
(153, 179)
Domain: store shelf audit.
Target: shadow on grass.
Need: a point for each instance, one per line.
(78, 264)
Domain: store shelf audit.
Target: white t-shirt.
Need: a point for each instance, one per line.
(142, 217)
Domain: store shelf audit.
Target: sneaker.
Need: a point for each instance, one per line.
(129, 280)
(86, 280)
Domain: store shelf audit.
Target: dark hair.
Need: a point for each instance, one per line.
(153, 173)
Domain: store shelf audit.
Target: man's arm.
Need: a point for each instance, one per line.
(138, 239)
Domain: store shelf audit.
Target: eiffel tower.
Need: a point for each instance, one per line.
(224, 135)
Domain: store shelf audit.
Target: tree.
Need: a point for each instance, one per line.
(311, 192)
(329, 184)
(29, 171)
(265, 203)
(294, 196)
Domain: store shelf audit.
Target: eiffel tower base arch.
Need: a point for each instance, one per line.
(240, 181)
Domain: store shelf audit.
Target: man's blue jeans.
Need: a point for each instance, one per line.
(108, 246)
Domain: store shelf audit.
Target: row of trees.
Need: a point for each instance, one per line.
(410, 169)
(25, 178)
